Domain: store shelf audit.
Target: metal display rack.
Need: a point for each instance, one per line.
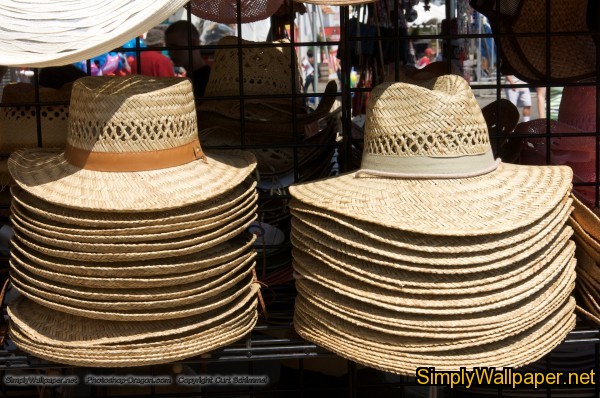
(273, 348)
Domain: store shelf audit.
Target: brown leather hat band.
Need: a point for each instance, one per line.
(134, 161)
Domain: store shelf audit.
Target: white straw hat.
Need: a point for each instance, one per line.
(132, 145)
(428, 168)
(53, 33)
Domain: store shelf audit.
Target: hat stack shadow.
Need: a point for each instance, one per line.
(434, 254)
(119, 263)
(291, 141)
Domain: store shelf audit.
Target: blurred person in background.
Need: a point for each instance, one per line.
(176, 36)
(153, 63)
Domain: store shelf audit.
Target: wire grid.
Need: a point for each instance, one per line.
(264, 344)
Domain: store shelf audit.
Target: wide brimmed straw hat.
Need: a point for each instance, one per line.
(427, 159)
(41, 33)
(48, 334)
(226, 11)
(132, 146)
(514, 351)
(571, 57)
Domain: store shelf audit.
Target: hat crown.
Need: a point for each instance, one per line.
(131, 114)
(266, 70)
(438, 119)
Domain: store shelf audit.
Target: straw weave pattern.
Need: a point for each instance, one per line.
(225, 11)
(267, 70)
(151, 114)
(437, 124)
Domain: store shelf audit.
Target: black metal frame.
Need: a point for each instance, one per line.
(260, 345)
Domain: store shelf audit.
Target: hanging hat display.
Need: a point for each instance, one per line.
(433, 253)
(571, 57)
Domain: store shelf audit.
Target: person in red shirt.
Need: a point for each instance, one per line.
(154, 63)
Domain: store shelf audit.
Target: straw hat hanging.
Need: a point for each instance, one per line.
(76, 30)
(572, 57)
(433, 253)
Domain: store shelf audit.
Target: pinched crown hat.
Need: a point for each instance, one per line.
(132, 145)
(428, 168)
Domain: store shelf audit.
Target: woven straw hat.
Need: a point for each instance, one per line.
(150, 272)
(225, 11)
(48, 334)
(132, 145)
(267, 71)
(338, 2)
(152, 222)
(30, 37)
(514, 351)
(427, 158)
(18, 123)
(572, 57)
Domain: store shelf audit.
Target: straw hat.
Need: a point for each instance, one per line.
(427, 158)
(572, 57)
(132, 146)
(48, 334)
(152, 222)
(35, 39)
(338, 2)
(225, 11)
(159, 272)
(267, 70)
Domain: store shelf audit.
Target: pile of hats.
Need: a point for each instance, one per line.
(433, 253)
(586, 224)
(290, 141)
(129, 245)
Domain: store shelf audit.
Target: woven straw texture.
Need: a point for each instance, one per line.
(18, 123)
(515, 351)
(51, 335)
(499, 201)
(225, 11)
(102, 300)
(77, 30)
(335, 226)
(81, 307)
(56, 328)
(131, 114)
(422, 261)
(169, 285)
(440, 119)
(152, 222)
(430, 302)
(440, 325)
(527, 56)
(214, 235)
(154, 270)
(56, 230)
(267, 70)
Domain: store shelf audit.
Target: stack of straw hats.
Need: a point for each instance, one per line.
(129, 245)
(434, 253)
(586, 224)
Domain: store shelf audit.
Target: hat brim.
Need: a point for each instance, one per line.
(163, 271)
(46, 174)
(35, 39)
(508, 198)
(517, 350)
